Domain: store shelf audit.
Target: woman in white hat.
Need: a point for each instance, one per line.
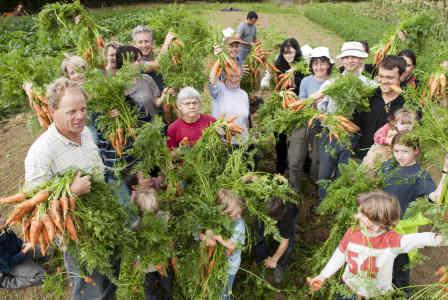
(320, 66)
(331, 154)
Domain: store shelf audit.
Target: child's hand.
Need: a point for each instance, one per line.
(270, 263)
(390, 136)
(315, 283)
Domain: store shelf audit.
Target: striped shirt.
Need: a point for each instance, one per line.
(52, 154)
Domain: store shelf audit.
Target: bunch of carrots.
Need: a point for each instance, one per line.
(286, 80)
(177, 45)
(226, 64)
(336, 124)
(207, 261)
(289, 99)
(390, 46)
(39, 103)
(442, 272)
(257, 57)
(437, 85)
(228, 128)
(45, 213)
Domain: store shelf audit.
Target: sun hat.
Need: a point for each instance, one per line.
(321, 52)
(232, 39)
(355, 49)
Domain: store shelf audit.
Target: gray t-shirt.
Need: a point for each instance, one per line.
(145, 93)
(308, 86)
(247, 33)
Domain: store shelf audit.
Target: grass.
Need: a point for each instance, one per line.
(353, 22)
(374, 22)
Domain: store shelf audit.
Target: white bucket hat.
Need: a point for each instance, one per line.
(355, 49)
(321, 52)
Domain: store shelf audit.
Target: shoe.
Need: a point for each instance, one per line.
(278, 274)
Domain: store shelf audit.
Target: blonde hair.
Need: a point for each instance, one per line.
(380, 207)
(146, 200)
(229, 199)
(56, 90)
(72, 60)
(405, 116)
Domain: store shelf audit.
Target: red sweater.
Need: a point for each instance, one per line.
(179, 129)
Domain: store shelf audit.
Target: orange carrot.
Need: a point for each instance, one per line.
(26, 207)
(49, 227)
(55, 214)
(35, 229)
(19, 197)
(99, 41)
(120, 134)
(88, 279)
(64, 206)
(71, 229)
(441, 271)
(72, 202)
(210, 266)
(42, 242)
(26, 224)
(211, 250)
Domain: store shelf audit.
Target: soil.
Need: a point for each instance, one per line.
(16, 139)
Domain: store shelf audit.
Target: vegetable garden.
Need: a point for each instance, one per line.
(94, 228)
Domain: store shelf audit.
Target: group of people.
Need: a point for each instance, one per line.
(74, 141)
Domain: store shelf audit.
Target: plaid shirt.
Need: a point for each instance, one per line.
(52, 154)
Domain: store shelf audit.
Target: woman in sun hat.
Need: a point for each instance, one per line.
(331, 154)
(321, 65)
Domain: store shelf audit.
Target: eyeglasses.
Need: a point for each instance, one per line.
(190, 103)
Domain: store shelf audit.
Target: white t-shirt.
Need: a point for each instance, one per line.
(369, 259)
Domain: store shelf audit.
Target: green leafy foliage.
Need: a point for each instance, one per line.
(350, 94)
(184, 23)
(432, 133)
(102, 230)
(189, 71)
(149, 148)
(348, 21)
(107, 93)
(16, 69)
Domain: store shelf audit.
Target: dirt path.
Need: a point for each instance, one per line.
(285, 25)
(15, 139)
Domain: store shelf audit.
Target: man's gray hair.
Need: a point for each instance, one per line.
(188, 92)
(56, 90)
(140, 29)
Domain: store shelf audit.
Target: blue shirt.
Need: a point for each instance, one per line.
(406, 183)
(238, 238)
(308, 86)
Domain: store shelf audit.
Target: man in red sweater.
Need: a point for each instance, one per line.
(188, 128)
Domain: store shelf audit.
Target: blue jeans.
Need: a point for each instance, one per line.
(123, 194)
(227, 293)
(401, 273)
(242, 54)
(331, 155)
(101, 290)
